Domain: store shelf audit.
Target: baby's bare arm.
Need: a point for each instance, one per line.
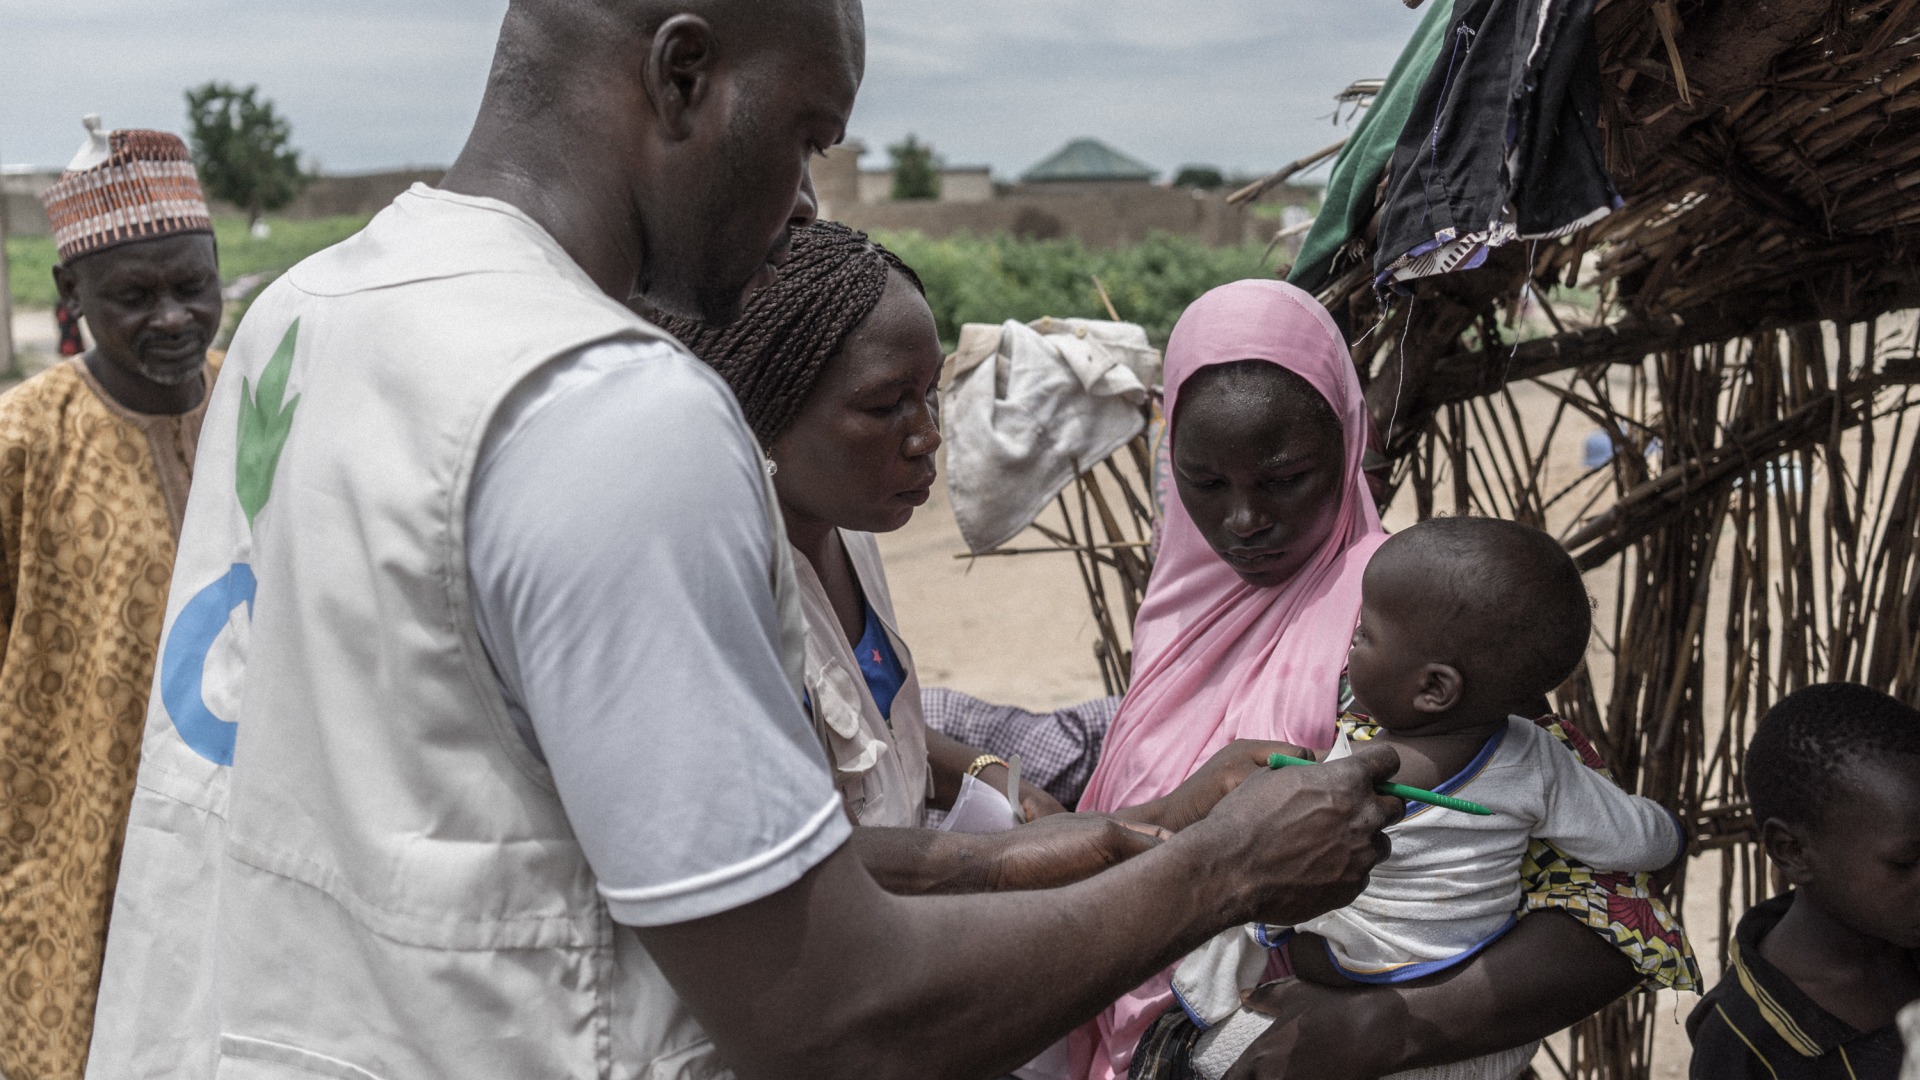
(1307, 953)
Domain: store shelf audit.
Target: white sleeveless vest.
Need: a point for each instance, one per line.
(879, 762)
(384, 885)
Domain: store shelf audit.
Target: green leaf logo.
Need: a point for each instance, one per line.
(264, 424)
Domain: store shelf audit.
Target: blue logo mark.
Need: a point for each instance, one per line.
(183, 667)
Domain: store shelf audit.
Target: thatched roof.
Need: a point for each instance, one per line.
(1769, 153)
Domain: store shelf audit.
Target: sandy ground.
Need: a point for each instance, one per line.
(1010, 629)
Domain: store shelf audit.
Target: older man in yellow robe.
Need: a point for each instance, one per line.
(95, 457)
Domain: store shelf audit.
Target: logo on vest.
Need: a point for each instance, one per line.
(212, 625)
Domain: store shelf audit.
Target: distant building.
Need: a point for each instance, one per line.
(839, 181)
(964, 184)
(1087, 191)
(1089, 161)
(20, 187)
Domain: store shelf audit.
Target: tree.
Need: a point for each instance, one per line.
(916, 173)
(241, 147)
(1199, 176)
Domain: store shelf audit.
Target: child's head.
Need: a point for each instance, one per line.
(1834, 777)
(1466, 617)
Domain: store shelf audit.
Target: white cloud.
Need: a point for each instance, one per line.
(1243, 84)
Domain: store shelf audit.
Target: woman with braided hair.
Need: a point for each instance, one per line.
(836, 366)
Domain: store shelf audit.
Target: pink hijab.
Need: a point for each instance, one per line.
(1216, 659)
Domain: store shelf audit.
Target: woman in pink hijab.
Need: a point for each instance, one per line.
(1243, 633)
(1244, 636)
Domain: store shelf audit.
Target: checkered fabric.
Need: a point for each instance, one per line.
(145, 190)
(1057, 749)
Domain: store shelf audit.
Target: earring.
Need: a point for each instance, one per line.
(771, 465)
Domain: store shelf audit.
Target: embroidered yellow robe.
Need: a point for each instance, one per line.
(91, 498)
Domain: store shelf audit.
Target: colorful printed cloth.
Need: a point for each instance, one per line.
(1619, 907)
(91, 497)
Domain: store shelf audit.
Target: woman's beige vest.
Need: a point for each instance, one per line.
(366, 873)
(879, 762)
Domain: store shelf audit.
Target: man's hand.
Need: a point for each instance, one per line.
(1197, 795)
(873, 984)
(1064, 848)
(1305, 839)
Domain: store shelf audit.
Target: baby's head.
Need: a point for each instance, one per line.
(1465, 619)
(1834, 777)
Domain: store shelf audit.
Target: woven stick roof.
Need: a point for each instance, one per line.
(1769, 153)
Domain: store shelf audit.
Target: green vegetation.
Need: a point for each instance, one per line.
(30, 262)
(288, 242)
(968, 278)
(243, 148)
(992, 279)
(916, 171)
(1205, 177)
(30, 259)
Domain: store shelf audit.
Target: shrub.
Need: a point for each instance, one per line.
(992, 279)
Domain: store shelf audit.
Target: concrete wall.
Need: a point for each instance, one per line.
(326, 196)
(25, 215)
(969, 185)
(1099, 214)
(836, 178)
(876, 186)
(839, 182)
(1110, 216)
(364, 194)
(974, 185)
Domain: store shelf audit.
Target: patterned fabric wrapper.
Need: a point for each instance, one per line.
(145, 190)
(1620, 907)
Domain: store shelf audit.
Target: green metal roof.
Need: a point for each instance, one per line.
(1089, 159)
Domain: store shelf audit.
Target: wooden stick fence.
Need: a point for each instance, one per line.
(1104, 519)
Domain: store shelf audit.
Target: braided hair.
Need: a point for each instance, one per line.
(774, 352)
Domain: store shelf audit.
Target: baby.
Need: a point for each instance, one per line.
(1465, 624)
(1817, 975)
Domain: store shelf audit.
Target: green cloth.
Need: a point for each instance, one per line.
(1356, 172)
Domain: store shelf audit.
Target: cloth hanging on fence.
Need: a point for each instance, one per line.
(1503, 143)
(1355, 177)
(1059, 396)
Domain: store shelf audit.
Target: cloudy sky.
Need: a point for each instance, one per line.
(369, 84)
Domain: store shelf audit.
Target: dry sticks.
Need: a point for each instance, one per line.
(1112, 549)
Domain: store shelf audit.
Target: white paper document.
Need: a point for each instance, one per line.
(979, 809)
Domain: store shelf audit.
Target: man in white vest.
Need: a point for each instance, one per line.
(475, 749)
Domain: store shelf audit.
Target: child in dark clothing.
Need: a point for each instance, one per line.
(1819, 974)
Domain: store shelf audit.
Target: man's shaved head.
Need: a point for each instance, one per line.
(543, 42)
(665, 143)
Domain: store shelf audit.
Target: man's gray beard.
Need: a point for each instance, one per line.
(173, 376)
